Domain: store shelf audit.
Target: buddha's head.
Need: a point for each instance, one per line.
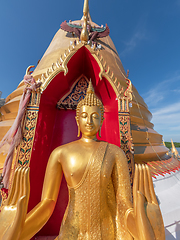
(89, 114)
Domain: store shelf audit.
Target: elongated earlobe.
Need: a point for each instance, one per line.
(78, 131)
(78, 126)
(100, 132)
(102, 119)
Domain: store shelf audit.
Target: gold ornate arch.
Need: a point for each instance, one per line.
(61, 66)
(23, 155)
(124, 97)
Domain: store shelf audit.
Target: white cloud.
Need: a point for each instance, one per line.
(167, 121)
(176, 90)
(162, 91)
(153, 97)
(164, 103)
(140, 33)
(169, 109)
(133, 42)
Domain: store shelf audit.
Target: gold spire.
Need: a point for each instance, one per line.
(86, 10)
(84, 33)
(86, 7)
(173, 149)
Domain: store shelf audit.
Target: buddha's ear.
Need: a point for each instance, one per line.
(100, 131)
(77, 121)
(102, 120)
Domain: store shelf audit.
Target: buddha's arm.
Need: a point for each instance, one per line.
(121, 182)
(39, 215)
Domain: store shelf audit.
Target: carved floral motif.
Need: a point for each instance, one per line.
(125, 99)
(28, 137)
(126, 142)
(77, 92)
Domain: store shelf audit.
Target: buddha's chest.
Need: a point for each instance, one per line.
(78, 163)
(75, 165)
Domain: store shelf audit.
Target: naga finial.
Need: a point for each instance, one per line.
(28, 70)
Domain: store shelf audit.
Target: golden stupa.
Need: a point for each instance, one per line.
(147, 142)
(67, 59)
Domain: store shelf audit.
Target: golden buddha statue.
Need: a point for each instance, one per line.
(100, 201)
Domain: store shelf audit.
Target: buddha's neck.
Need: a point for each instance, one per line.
(88, 139)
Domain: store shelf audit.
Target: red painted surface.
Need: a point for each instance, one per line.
(56, 127)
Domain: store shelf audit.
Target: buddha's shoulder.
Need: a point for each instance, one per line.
(76, 145)
(67, 146)
(113, 146)
(115, 149)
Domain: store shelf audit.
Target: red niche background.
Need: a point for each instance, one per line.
(57, 127)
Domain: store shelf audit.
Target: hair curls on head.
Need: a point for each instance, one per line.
(90, 100)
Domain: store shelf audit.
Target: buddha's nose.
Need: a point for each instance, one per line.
(89, 119)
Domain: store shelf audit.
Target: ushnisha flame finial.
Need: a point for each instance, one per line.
(90, 88)
(84, 33)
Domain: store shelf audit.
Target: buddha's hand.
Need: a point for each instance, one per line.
(13, 213)
(144, 221)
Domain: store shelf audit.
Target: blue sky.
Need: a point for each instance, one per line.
(145, 33)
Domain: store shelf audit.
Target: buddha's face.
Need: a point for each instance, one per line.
(89, 120)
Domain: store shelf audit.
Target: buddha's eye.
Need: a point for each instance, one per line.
(95, 115)
(84, 115)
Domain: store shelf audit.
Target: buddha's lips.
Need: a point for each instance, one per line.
(89, 127)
